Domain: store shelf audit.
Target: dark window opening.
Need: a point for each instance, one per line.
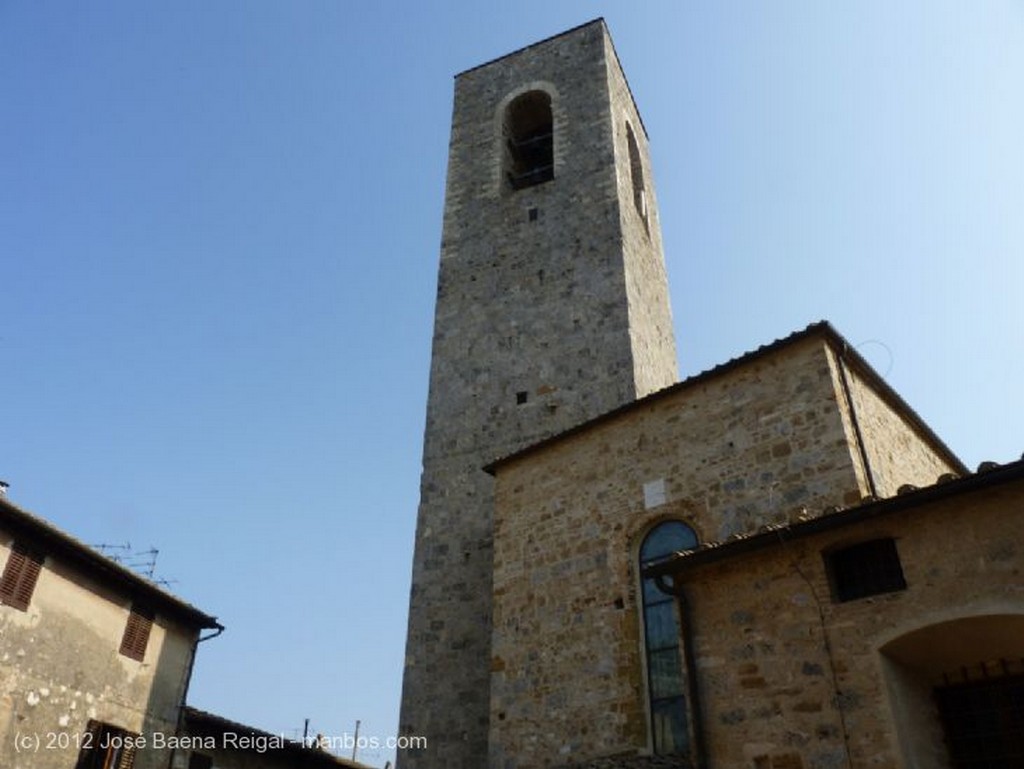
(636, 174)
(870, 568)
(984, 722)
(200, 761)
(521, 397)
(136, 633)
(20, 576)
(666, 679)
(532, 214)
(107, 747)
(529, 141)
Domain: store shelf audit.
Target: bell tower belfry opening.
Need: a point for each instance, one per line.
(552, 307)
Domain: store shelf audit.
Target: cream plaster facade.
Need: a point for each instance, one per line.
(60, 664)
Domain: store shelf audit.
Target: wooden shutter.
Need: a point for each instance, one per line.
(126, 760)
(136, 633)
(20, 576)
(116, 756)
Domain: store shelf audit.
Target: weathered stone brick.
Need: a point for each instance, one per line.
(552, 307)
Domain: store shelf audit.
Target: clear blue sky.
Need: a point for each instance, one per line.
(219, 229)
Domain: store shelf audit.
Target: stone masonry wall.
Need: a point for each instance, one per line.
(650, 318)
(725, 455)
(758, 442)
(532, 335)
(898, 453)
(784, 671)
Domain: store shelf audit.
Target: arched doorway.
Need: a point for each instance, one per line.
(957, 690)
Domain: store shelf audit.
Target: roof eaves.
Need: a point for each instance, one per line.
(103, 569)
(202, 720)
(822, 327)
(770, 535)
(849, 354)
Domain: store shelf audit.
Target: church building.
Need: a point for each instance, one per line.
(775, 564)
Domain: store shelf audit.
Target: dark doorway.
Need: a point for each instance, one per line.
(984, 722)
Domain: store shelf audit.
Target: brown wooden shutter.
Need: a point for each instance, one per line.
(94, 756)
(136, 633)
(12, 574)
(127, 758)
(19, 578)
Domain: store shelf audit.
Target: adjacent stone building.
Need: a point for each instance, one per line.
(771, 565)
(95, 666)
(888, 634)
(92, 656)
(820, 601)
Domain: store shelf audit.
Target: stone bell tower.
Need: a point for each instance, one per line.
(552, 308)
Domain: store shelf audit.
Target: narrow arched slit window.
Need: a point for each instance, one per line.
(636, 174)
(529, 140)
(666, 677)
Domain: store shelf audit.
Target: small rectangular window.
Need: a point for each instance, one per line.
(19, 578)
(107, 747)
(868, 568)
(136, 633)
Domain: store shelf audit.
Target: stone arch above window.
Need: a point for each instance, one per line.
(666, 676)
(636, 174)
(528, 134)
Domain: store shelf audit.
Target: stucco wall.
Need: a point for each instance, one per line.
(60, 666)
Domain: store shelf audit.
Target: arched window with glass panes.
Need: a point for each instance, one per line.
(666, 673)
